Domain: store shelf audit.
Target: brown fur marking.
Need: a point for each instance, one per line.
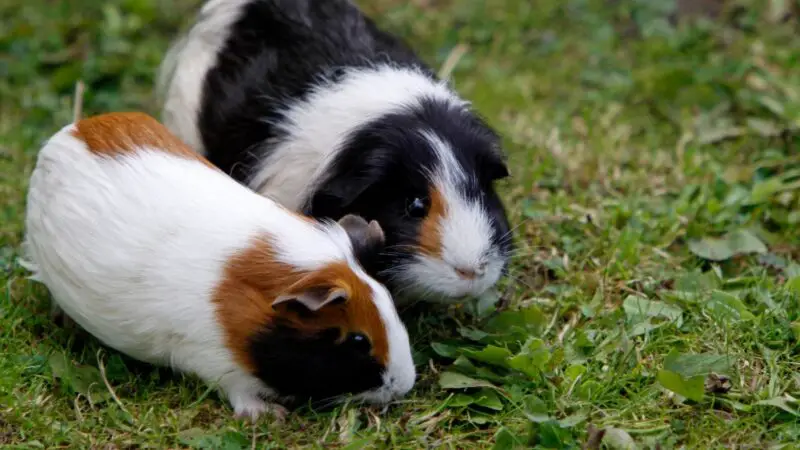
(430, 234)
(254, 278)
(121, 133)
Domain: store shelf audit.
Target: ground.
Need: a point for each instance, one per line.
(654, 298)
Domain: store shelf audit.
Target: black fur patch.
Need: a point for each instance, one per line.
(313, 367)
(387, 162)
(277, 52)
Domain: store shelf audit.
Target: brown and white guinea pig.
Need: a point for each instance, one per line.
(309, 103)
(162, 256)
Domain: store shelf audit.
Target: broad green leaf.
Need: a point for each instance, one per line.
(793, 285)
(487, 302)
(80, 379)
(527, 321)
(795, 327)
(696, 282)
(460, 400)
(59, 365)
(725, 306)
(619, 439)
(762, 191)
(467, 367)
(535, 409)
(645, 326)
(691, 365)
(574, 371)
(552, 436)
(473, 334)
(728, 246)
(692, 388)
(506, 440)
(488, 398)
(455, 380)
(479, 418)
(445, 350)
(201, 439)
(88, 381)
(491, 354)
(465, 364)
(573, 420)
(588, 389)
(635, 305)
(532, 359)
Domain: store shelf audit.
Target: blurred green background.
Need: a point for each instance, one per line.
(654, 300)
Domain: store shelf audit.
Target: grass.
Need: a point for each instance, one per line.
(654, 300)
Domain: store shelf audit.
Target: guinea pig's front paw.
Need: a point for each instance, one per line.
(251, 407)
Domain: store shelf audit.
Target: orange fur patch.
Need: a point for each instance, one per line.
(117, 134)
(430, 234)
(254, 278)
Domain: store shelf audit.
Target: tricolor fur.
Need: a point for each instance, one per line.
(160, 255)
(309, 103)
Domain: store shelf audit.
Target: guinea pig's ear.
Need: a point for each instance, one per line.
(353, 174)
(313, 298)
(500, 171)
(497, 166)
(365, 237)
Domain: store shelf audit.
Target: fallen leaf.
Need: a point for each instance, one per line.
(728, 246)
(692, 388)
(725, 306)
(645, 315)
(689, 365)
(619, 439)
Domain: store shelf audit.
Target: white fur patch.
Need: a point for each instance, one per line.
(466, 238)
(183, 72)
(317, 127)
(132, 248)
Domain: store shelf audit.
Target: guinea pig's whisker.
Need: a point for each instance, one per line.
(527, 251)
(327, 401)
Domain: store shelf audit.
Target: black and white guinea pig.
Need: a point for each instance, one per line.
(160, 255)
(309, 103)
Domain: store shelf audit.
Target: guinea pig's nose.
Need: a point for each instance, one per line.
(470, 273)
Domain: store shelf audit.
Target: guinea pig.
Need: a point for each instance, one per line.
(310, 103)
(160, 255)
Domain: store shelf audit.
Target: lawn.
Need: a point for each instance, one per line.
(654, 298)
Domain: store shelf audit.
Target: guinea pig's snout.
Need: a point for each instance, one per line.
(471, 272)
(400, 387)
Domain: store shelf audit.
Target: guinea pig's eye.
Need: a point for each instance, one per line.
(359, 342)
(417, 207)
